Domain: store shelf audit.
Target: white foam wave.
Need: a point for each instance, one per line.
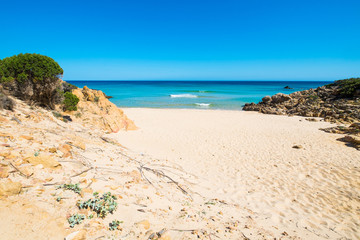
(203, 104)
(183, 96)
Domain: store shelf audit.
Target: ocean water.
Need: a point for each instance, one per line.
(193, 94)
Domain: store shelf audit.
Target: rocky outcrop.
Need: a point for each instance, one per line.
(352, 134)
(5, 101)
(43, 93)
(95, 109)
(326, 102)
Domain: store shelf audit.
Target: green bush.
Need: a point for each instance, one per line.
(347, 87)
(68, 87)
(31, 77)
(34, 67)
(70, 102)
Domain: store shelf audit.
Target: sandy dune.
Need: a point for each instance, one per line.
(248, 159)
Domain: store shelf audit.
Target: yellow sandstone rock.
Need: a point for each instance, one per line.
(100, 112)
(9, 155)
(66, 149)
(2, 119)
(4, 172)
(52, 150)
(26, 137)
(6, 135)
(165, 237)
(45, 160)
(10, 188)
(78, 144)
(78, 235)
(27, 170)
(145, 224)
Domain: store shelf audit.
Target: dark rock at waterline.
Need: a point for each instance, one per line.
(338, 102)
(287, 87)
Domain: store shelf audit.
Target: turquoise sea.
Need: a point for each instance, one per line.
(193, 94)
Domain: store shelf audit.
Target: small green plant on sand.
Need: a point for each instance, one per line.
(76, 219)
(36, 153)
(56, 114)
(78, 115)
(114, 225)
(73, 187)
(100, 205)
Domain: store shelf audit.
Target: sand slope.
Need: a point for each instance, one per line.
(248, 159)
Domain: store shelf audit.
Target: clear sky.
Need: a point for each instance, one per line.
(188, 39)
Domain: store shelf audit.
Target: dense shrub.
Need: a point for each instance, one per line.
(31, 77)
(347, 87)
(70, 102)
(68, 87)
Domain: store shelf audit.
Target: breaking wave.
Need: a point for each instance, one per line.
(206, 105)
(183, 96)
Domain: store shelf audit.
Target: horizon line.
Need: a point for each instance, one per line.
(171, 80)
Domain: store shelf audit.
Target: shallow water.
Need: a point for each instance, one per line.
(193, 94)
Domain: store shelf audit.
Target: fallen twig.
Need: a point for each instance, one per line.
(21, 173)
(82, 172)
(162, 174)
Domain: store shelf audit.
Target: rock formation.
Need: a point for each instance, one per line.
(352, 134)
(95, 109)
(327, 102)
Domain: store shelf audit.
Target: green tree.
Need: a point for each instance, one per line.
(32, 77)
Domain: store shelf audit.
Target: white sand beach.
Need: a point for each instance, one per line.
(183, 174)
(247, 159)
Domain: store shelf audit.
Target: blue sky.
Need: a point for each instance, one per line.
(188, 39)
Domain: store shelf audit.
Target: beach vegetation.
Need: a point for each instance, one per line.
(57, 114)
(114, 225)
(31, 76)
(68, 87)
(70, 102)
(347, 87)
(72, 187)
(101, 205)
(75, 219)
